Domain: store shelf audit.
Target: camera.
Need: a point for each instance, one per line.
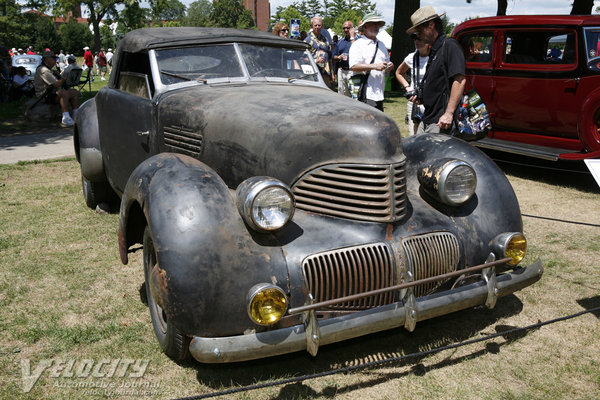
(410, 94)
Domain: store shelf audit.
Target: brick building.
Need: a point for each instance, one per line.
(261, 12)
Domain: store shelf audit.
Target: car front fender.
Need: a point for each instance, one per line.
(207, 258)
(87, 142)
(494, 207)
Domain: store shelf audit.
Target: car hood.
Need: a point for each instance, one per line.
(278, 130)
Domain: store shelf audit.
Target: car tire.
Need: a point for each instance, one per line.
(96, 193)
(172, 342)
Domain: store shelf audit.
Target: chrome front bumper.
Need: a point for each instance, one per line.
(309, 337)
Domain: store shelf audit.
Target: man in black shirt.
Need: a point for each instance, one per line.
(444, 81)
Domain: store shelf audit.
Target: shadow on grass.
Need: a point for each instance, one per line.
(428, 335)
(590, 303)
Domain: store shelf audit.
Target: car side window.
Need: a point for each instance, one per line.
(539, 47)
(134, 74)
(477, 47)
(592, 43)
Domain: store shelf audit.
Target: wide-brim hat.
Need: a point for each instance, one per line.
(48, 54)
(71, 57)
(422, 15)
(372, 18)
(86, 48)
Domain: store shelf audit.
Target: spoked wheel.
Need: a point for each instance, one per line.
(172, 342)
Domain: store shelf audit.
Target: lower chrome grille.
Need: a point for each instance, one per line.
(349, 271)
(431, 255)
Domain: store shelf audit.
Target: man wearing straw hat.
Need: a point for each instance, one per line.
(370, 56)
(444, 80)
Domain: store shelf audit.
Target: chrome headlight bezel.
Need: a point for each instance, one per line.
(250, 193)
(437, 179)
(504, 245)
(262, 289)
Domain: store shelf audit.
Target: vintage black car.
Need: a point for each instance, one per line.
(276, 215)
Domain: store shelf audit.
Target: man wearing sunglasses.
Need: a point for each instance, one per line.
(444, 81)
(340, 54)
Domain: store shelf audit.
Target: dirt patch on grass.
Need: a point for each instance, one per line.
(21, 126)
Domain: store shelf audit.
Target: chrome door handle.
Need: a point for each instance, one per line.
(143, 133)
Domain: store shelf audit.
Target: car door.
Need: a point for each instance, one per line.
(126, 116)
(535, 89)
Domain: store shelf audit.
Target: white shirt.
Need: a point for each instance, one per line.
(361, 52)
(422, 67)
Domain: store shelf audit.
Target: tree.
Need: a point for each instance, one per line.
(167, 10)
(45, 35)
(15, 28)
(402, 44)
(198, 13)
(231, 14)
(349, 15)
(287, 14)
(132, 17)
(98, 9)
(582, 7)
(75, 36)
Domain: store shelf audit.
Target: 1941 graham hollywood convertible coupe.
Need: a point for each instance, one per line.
(276, 215)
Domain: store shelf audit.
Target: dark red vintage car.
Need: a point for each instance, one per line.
(539, 76)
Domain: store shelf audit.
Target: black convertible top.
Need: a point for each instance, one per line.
(152, 38)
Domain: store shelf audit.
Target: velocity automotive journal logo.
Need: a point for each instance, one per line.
(93, 370)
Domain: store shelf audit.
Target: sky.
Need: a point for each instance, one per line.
(459, 10)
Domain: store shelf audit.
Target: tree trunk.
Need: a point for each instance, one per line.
(582, 7)
(402, 44)
(502, 5)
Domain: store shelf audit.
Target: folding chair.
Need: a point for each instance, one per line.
(85, 81)
(74, 77)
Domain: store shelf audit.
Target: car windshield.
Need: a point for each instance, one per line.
(26, 60)
(221, 61)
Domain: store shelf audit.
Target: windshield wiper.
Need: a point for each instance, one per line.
(185, 78)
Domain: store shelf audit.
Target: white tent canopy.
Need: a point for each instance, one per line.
(385, 37)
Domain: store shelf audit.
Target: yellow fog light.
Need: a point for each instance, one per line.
(510, 244)
(266, 304)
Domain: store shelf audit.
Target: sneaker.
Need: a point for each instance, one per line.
(102, 79)
(67, 121)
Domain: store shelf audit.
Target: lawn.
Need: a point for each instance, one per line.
(72, 313)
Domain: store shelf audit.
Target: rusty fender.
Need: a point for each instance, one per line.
(86, 139)
(207, 258)
(494, 207)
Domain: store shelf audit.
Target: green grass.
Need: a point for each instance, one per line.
(64, 294)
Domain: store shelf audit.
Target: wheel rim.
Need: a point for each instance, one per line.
(157, 312)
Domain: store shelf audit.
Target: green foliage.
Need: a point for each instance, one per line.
(108, 39)
(75, 36)
(348, 15)
(287, 14)
(198, 13)
(14, 27)
(231, 14)
(330, 11)
(167, 10)
(45, 35)
(132, 17)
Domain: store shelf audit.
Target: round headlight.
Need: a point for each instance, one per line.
(451, 181)
(266, 304)
(510, 244)
(457, 182)
(266, 204)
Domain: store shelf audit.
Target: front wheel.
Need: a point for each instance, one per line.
(172, 342)
(95, 193)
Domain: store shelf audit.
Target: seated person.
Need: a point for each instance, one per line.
(21, 84)
(49, 86)
(71, 80)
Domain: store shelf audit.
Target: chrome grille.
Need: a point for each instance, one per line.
(431, 255)
(349, 271)
(183, 140)
(375, 193)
